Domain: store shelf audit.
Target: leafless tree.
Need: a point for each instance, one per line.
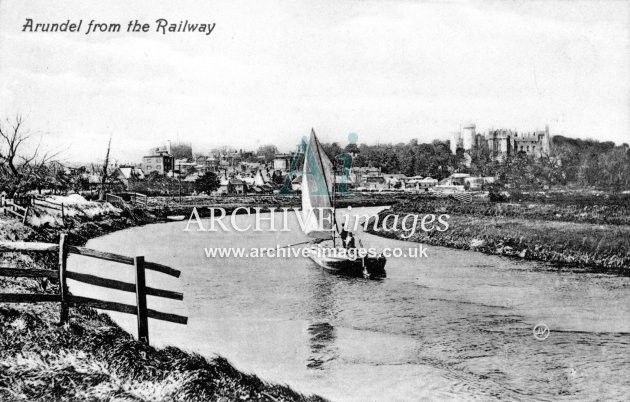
(20, 169)
(101, 196)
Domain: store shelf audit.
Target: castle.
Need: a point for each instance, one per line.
(502, 142)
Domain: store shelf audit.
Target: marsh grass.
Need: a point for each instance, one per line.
(611, 210)
(576, 244)
(93, 359)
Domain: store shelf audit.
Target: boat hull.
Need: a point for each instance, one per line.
(367, 267)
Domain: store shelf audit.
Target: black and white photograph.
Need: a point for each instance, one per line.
(315, 200)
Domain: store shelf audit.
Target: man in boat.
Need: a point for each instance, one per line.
(349, 241)
(343, 234)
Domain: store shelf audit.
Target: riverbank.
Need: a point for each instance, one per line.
(169, 206)
(527, 231)
(92, 358)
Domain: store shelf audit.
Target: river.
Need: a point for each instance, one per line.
(457, 325)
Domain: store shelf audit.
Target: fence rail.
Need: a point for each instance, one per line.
(137, 198)
(67, 300)
(102, 255)
(120, 285)
(27, 246)
(115, 200)
(23, 200)
(13, 209)
(40, 202)
(28, 298)
(29, 273)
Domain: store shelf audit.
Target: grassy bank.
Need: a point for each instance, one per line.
(604, 210)
(164, 206)
(527, 231)
(92, 358)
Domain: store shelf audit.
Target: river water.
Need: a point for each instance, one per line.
(457, 325)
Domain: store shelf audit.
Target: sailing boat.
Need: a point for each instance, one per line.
(318, 211)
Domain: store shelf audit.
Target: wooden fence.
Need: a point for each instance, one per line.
(136, 198)
(23, 200)
(12, 209)
(40, 202)
(67, 300)
(115, 200)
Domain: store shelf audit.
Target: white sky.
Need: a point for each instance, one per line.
(387, 70)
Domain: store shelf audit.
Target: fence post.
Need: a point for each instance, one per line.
(141, 300)
(63, 259)
(25, 213)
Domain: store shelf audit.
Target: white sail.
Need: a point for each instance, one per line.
(317, 191)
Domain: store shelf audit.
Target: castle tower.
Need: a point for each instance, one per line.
(505, 143)
(456, 141)
(546, 141)
(469, 136)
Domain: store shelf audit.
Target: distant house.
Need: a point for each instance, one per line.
(282, 162)
(455, 183)
(473, 183)
(374, 183)
(183, 166)
(367, 171)
(236, 186)
(161, 163)
(207, 164)
(224, 184)
(456, 179)
(250, 167)
(419, 183)
(363, 173)
(396, 180)
(129, 174)
(248, 180)
(428, 182)
(477, 183)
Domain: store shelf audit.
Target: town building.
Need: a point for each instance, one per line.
(207, 164)
(184, 167)
(282, 162)
(159, 160)
(362, 173)
(395, 180)
(129, 174)
(236, 186)
(374, 183)
(419, 183)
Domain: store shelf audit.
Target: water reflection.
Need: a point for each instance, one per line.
(323, 310)
(322, 345)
